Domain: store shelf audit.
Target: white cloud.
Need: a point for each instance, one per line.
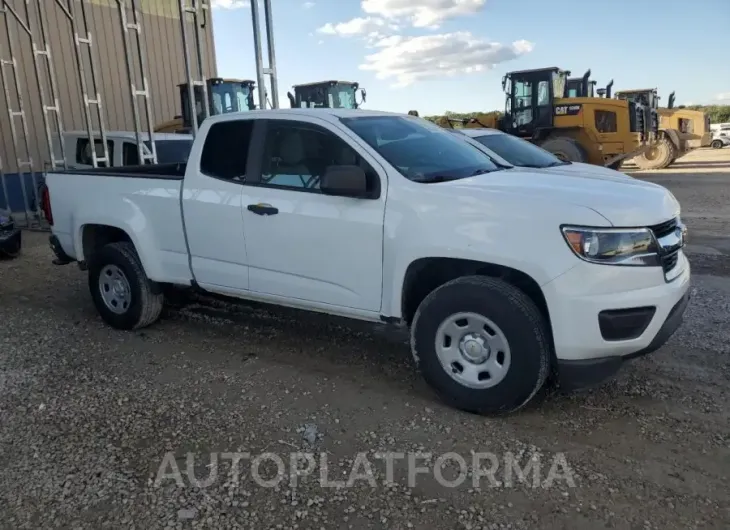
(410, 59)
(308, 5)
(723, 96)
(229, 4)
(422, 13)
(353, 27)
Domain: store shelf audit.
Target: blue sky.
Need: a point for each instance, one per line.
(438, 55)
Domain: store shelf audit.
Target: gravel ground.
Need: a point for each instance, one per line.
(89, 417)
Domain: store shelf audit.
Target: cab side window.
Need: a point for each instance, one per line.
(225, 152)
(297, 154)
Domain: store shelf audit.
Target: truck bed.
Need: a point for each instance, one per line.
(148, 171)
(144, 200)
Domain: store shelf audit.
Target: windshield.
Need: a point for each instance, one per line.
(172, 151)
(419, 150)
(517, 151)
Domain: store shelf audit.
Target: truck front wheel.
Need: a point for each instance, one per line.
(122, 293)
(482, 344)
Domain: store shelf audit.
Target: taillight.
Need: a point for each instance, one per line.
(46, 204)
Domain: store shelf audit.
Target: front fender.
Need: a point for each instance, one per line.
(507, 230)
(673, 136)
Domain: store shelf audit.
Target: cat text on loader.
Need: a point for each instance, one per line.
(327, 95)
(680, 130)
(224, 96)
(567, 119)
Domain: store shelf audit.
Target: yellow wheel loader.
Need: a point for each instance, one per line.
(564, 116)
(680, 130)
(327, 95)
(224, 96)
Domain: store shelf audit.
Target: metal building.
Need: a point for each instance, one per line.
(53, 52)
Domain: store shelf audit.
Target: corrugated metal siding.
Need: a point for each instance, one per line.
(162, 41)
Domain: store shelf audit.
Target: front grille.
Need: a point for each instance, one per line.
(670, 261)
(665, 228)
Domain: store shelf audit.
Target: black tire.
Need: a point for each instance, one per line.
(616, 166)
(146, 301)
(716, 144)
(659, 156)
(566, 149)
(519, 320)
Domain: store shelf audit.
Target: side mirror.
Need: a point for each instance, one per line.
(292, 101)
(344, 181)
(363, 94)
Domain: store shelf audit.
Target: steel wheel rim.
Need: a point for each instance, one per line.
(473, 350)
(114, 289)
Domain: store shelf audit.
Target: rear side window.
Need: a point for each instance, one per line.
(83, 151)
(225, 152)
(606, 121)
(130, 155)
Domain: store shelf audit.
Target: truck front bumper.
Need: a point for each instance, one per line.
(577, 374)
(602, 316)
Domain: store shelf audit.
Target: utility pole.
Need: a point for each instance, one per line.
(261, 70)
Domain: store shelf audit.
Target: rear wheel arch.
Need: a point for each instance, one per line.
(94, 236)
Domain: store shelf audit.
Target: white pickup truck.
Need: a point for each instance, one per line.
(504, 277)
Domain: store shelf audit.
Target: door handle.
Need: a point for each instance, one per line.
(263, 209)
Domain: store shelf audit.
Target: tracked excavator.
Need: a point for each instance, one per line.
(326, 95)
(224, 96)
(680, 130)
(570, 117)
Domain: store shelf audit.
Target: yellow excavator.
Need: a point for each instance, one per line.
(224, 96)
(680, 129)
(327, 94)
(570, 118)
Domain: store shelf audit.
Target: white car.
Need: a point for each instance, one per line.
(515, 151)
(503, 276)
(719, 141)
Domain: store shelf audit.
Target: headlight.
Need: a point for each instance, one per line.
(613, 246)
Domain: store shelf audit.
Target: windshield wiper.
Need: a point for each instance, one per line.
(436, 178)
(559, 163)
(483, 171)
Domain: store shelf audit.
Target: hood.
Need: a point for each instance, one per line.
(624, 201)
(581, 169)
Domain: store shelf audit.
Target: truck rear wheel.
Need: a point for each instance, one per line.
(122, 293)
(566, 149)
(657, 156)
(482, 344)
